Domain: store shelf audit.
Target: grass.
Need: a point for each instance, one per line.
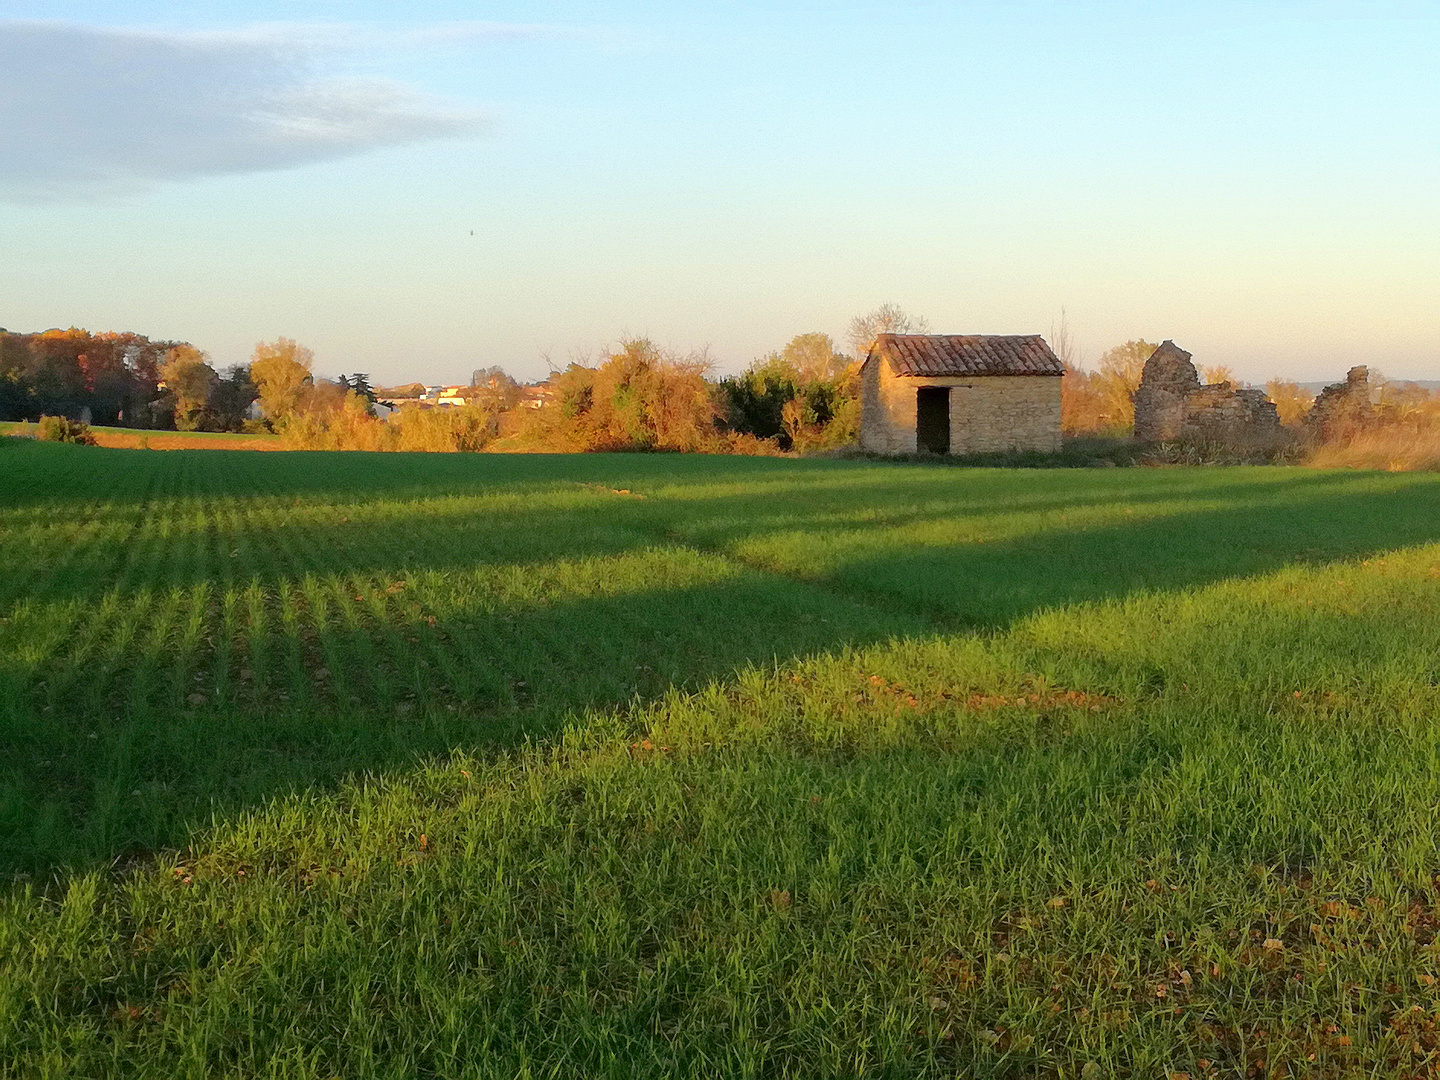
(148, 439)
(472, 765)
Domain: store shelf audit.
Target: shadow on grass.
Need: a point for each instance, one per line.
(112, 749)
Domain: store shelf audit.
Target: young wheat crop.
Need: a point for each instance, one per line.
(344, 764)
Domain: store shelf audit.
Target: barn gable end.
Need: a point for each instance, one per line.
(1003, 392)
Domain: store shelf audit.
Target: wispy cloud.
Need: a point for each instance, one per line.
(93, 111)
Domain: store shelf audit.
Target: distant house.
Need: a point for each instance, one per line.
(446, 395)
(536, 395)
(453, 395)
(960, 394)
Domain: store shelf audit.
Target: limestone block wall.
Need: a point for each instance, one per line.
(988, 414)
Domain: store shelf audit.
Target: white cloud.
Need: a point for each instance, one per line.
(95, 111)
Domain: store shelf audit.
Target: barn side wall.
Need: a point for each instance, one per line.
(887, 410)
(988, 414)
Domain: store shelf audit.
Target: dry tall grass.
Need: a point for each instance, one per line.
(1391, 448)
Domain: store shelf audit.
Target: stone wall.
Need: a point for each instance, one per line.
(1342, 408)
(1171, 404)
(988, 413)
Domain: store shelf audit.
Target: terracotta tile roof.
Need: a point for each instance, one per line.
(967, 354)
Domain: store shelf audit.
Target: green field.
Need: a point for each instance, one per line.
(475, 765)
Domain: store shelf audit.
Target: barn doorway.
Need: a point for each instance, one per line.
(932, 419)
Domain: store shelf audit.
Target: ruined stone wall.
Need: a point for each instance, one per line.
(988, 414)
(1342, 408)
(1219, 411)
(1171, 404)
(1166, 383)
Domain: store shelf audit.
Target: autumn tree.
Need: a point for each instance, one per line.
(494, 390)
(56, 372)
(1292, 400)
(1101, 401)
(814, 358)
(191, 381)
(114, 375)
(642, 397)
(886, 319)
(280, 371)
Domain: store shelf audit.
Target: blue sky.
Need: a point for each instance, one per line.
(1256, 181)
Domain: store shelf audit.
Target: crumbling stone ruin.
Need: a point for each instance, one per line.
(1342, 408)
(1171, 404)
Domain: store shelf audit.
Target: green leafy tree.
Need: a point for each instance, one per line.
(794, 396)
(814, 358)
(755, 399)
(360, 384)
(232, 397)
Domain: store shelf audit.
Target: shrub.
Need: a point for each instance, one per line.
(60, 429)
(1280, 447)
(467, 429)
(640, 398)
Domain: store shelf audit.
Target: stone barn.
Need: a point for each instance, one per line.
(960, 394)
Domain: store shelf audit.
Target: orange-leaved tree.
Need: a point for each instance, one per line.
(280, 371)
(642, 397)
(1101, 401)
(1291, 400)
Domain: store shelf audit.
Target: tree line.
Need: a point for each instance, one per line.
(638, 396)
(119, 379)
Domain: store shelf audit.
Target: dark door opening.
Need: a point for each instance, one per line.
(932, 419)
